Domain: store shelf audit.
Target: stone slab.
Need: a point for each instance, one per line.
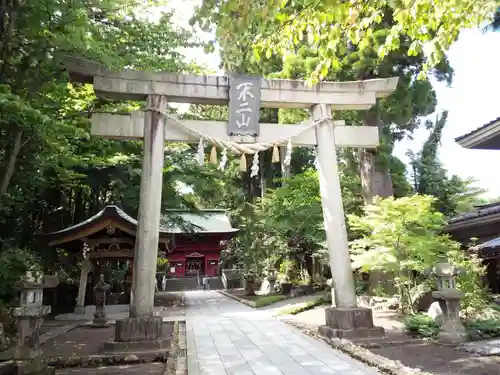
(352, 334)
(350, 323)
(139, 329)
(349, 318)
(184, 88)
(483, 348)
(131, 127)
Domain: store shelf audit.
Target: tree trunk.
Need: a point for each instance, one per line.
(375, 179)
(11, 163)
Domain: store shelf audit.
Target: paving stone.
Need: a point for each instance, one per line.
(229, 338)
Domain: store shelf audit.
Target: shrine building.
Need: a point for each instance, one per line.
(190, 241)
(483, 222)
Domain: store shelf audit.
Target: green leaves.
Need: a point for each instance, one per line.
(49, 159)
(403, 237)
(327, 25)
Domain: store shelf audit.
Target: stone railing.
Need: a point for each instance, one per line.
(231, 278)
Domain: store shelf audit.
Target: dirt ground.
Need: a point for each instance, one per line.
(85, 341)
(440, 360)
(49, 324)
(412, 352)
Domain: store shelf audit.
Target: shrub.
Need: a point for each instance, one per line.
(9, 325)
(307, 306)
(480, 329)
(469, 281)
(268, 300)
(14, 263)
(421, 325)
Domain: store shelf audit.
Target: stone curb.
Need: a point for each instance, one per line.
(361, 354)
(177, 360)
(52, 334)
(106, 360)
(240, 300)
(172, 358)
(181, 368)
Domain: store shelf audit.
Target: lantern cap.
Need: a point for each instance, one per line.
(446, 270)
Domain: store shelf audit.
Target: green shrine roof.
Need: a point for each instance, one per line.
(207, 221)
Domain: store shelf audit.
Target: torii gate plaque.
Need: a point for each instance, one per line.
(344, 319)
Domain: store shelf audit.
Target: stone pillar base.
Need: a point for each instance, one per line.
(142, 333)
(452, 338)
(139, 329)
(101, 322)
(350, 323)
(80, 310)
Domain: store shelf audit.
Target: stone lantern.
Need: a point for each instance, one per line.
(271, 278)
(29, 317)
(449, 301)
(100, 292)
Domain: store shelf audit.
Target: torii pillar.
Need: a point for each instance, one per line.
(344, 319)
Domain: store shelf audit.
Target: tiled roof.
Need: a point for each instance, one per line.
(171, 222)
(479, 211)
(458, 139)
(203, 221)
(489, 245)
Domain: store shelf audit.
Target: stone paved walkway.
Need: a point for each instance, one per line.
(225, 337)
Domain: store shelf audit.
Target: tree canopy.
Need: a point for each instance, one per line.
(284, 27)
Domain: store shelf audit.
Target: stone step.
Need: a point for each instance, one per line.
(190, 283)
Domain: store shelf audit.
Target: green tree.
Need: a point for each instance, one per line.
(396, 117)
(454, 195)
(47, 154)
(289, 219)
(284, 27)
(402, 237)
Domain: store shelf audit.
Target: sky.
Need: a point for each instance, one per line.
(470, 100)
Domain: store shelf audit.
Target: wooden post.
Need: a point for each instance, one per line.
(82, 288)
(146, 244)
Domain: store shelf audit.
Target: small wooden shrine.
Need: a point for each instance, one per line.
(483, 222)
(190, 241)
(482, 225)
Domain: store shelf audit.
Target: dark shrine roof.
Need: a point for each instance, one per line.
(109, 212)
(489, 245)
(486, 137)
(209, 221)
(479, 212)
(489, 249)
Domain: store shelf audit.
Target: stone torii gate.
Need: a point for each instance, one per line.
(344, 318)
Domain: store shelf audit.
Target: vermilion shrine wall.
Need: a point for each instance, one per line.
(206, 253)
